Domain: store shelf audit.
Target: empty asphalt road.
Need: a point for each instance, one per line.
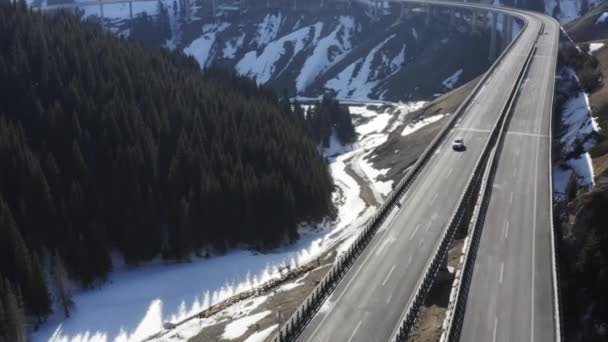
(369, 302)
(511, 296)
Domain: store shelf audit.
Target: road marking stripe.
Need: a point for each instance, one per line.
(414, 233)
(507, 230)
(502, 269)
(388, 300)
(409, 260)
(495, 326)
(533, 135)
(449, 172)
(388, 275)
(515, 172)
(511, 198)
(354, 332)
(434, 198)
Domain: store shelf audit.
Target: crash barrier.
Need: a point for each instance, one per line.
(292, 328)
(458, 299)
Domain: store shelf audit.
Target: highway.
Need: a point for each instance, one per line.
(511, 293)
(369, 302)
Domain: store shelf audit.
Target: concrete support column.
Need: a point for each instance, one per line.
(505, 34)
(452, 17)
(474, 20)
(492, 53)
(101, 16)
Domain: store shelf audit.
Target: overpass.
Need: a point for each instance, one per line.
(376, 290)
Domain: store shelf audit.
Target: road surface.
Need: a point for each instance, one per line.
(511, 293)
(369, 302)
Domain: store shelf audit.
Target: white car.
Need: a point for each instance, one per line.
(458, 144)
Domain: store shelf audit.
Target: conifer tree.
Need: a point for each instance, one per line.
(62, 286)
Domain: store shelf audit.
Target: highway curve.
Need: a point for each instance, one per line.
(512, 289)
(369, 302)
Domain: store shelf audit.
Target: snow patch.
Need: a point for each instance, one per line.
(359, 78)
(268, 29)
(452, 80)
(583, 168)
(260, 336)
(602, 18)
(328, 51)
(414, 126)
(200, 48)
(595, 46)
(233, 45)
(237, 328)
(262, 67)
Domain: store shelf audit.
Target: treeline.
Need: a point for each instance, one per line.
(105, 146)
(325, 118)
(152, 31)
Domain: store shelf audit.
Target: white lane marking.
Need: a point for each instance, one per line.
(517, 152)
(449, 172)
(409, 260)
(515, 172)
(388, 300)
(507, 230)
(414, 233)
(354, 332)
(344, 290)
(502, 269)
(511, 198)
(495, 326)
(434, 198)
(388, 275)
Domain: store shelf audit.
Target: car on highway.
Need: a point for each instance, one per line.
(458, 144)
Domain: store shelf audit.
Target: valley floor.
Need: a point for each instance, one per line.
(134, 303)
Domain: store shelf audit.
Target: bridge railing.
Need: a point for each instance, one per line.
(302, 316)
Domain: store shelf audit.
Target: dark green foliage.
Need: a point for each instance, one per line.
(571, 187)
(12, 317)
(326, 117)
(152, 31)
(107, 146)
(584, 273)
(585, 65)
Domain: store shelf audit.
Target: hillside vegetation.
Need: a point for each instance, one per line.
(105, 146)
(582, 218)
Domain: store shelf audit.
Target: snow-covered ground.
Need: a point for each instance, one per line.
(452, 80)
(595, 46)
(134, 303)
(567, 10)
(602, 18)
(200, 48)
(578, 133)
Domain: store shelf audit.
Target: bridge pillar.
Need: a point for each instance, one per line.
(452, 17)
(505, 29)
(474, 15)
(492, 54)
(101, 16)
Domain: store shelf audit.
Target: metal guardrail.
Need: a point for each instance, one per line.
(457, 305)
(304, 314)
(468, 196)
(554, 243)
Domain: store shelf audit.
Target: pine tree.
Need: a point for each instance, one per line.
(14, 325)
(62, 285)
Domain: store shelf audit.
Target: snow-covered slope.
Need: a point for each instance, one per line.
(345, 53)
